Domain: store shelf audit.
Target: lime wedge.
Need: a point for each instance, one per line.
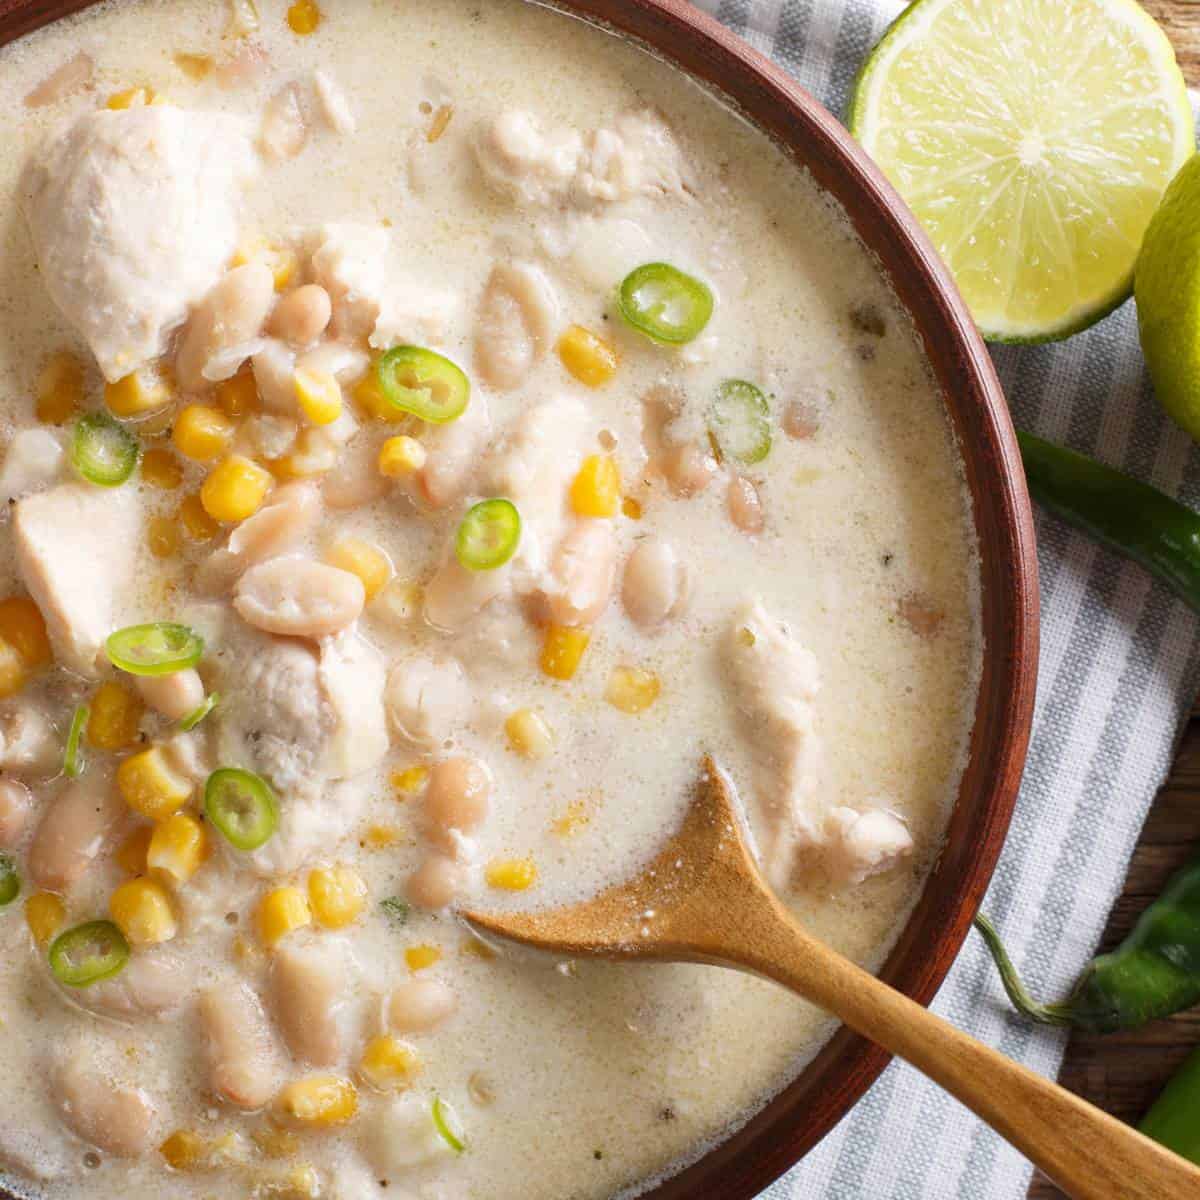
(1033, 140)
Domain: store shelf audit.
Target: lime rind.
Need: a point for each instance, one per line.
(953, 105)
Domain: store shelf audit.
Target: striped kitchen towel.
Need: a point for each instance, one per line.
(1119, 668)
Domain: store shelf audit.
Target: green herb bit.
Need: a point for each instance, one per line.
(10, 881)
(488, 535)
(159, 648)
(89, 953)
(102, 450)
(396, 910)
(665, 304)
(241, 806)
(424, 383)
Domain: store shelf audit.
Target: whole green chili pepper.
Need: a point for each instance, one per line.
(1153, 973)
(1174, 1119)
(1129, 516)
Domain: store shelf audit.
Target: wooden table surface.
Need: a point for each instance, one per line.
(1123, 1073)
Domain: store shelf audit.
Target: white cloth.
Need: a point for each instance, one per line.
(1119, 668)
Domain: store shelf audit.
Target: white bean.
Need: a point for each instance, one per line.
(73, 76)
(419, 1005)
(655, 588)
(355, 480)
(585, 569)
(244, 1066)
(301, 316)
(517, 317)
(310, 993)
(455, 594)
(284, 126)
(28, 743)
(687, 468)
(154, 984)
(745, 505)
(16, 812)
(297, 597)
(453, 453)
(231, 315)
(435, 883)
(175, 695)
(456, 798)
(117, 1119)
(74, 831)
(274, 368)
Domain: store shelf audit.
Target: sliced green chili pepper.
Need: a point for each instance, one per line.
(88, 954)
(73, 757)
(103, 451)
(1125, 514)
(1153, 973)
(396, 910)
(200, 711)
(241, 806)
(1174, 1119)
(739, 419)
(160, 648)
(488, 535)
(666, 305)
(10, 881)
(424, 383)
(446, 1122)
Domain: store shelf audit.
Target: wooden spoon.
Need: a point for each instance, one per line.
(703, 900)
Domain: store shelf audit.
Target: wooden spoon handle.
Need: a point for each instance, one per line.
(1089, 1154)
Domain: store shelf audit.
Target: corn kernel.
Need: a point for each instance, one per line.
(528, 733)
(368, 395)
(202, 433)
(183, 1150)
(573, 819)
(440, 123)
(177, 847)
(410, 781)
(632, 689)
(562, 649)
(337, 895)
(163, 536)
(22, 627)
(363, 559)
(400, 457)
(44, 914)
(399, 602)
(13, 672)
(114, 716)
(631, 508)
(389, 1064)
(511, 875)
(131, 853)
(596, 489)
(419, 958)
(134, 97)
(195, 66)
(303, 17)
(137, 393)
(196, 522)
(243, 17)
(281, 911)
(239, 395)
(59, 392)
(380, 837)
(275, 1142)
(142, 911)
(591, 359)
(301, 1182)
(319, 395)
(320, 1100)
(150, 786)
(283, 265)
(161, 469)
(235, 489)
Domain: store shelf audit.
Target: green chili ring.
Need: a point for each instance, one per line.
(739, 420)
(241, 806)
(446, 1122)
(72, 758)
(424, 383)
(200, 711)
(158, 648)
(89, 953)
(102, 450)
(488, 535)
(10, 881)
(665, 304)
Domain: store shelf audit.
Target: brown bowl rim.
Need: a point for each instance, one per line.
(795, 1120)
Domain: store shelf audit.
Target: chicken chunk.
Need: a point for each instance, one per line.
(134, 216)
(154, 984)
(350, 262)
(865, 843)
(75, 548)
(28, 742)
(33, 461)
(352, 677)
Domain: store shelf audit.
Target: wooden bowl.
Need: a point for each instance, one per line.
(795, 1120)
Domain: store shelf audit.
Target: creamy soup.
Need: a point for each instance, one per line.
(430, 428)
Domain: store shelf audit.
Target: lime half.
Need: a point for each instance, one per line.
(1033, 140)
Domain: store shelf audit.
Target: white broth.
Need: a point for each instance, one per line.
(779, 571)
